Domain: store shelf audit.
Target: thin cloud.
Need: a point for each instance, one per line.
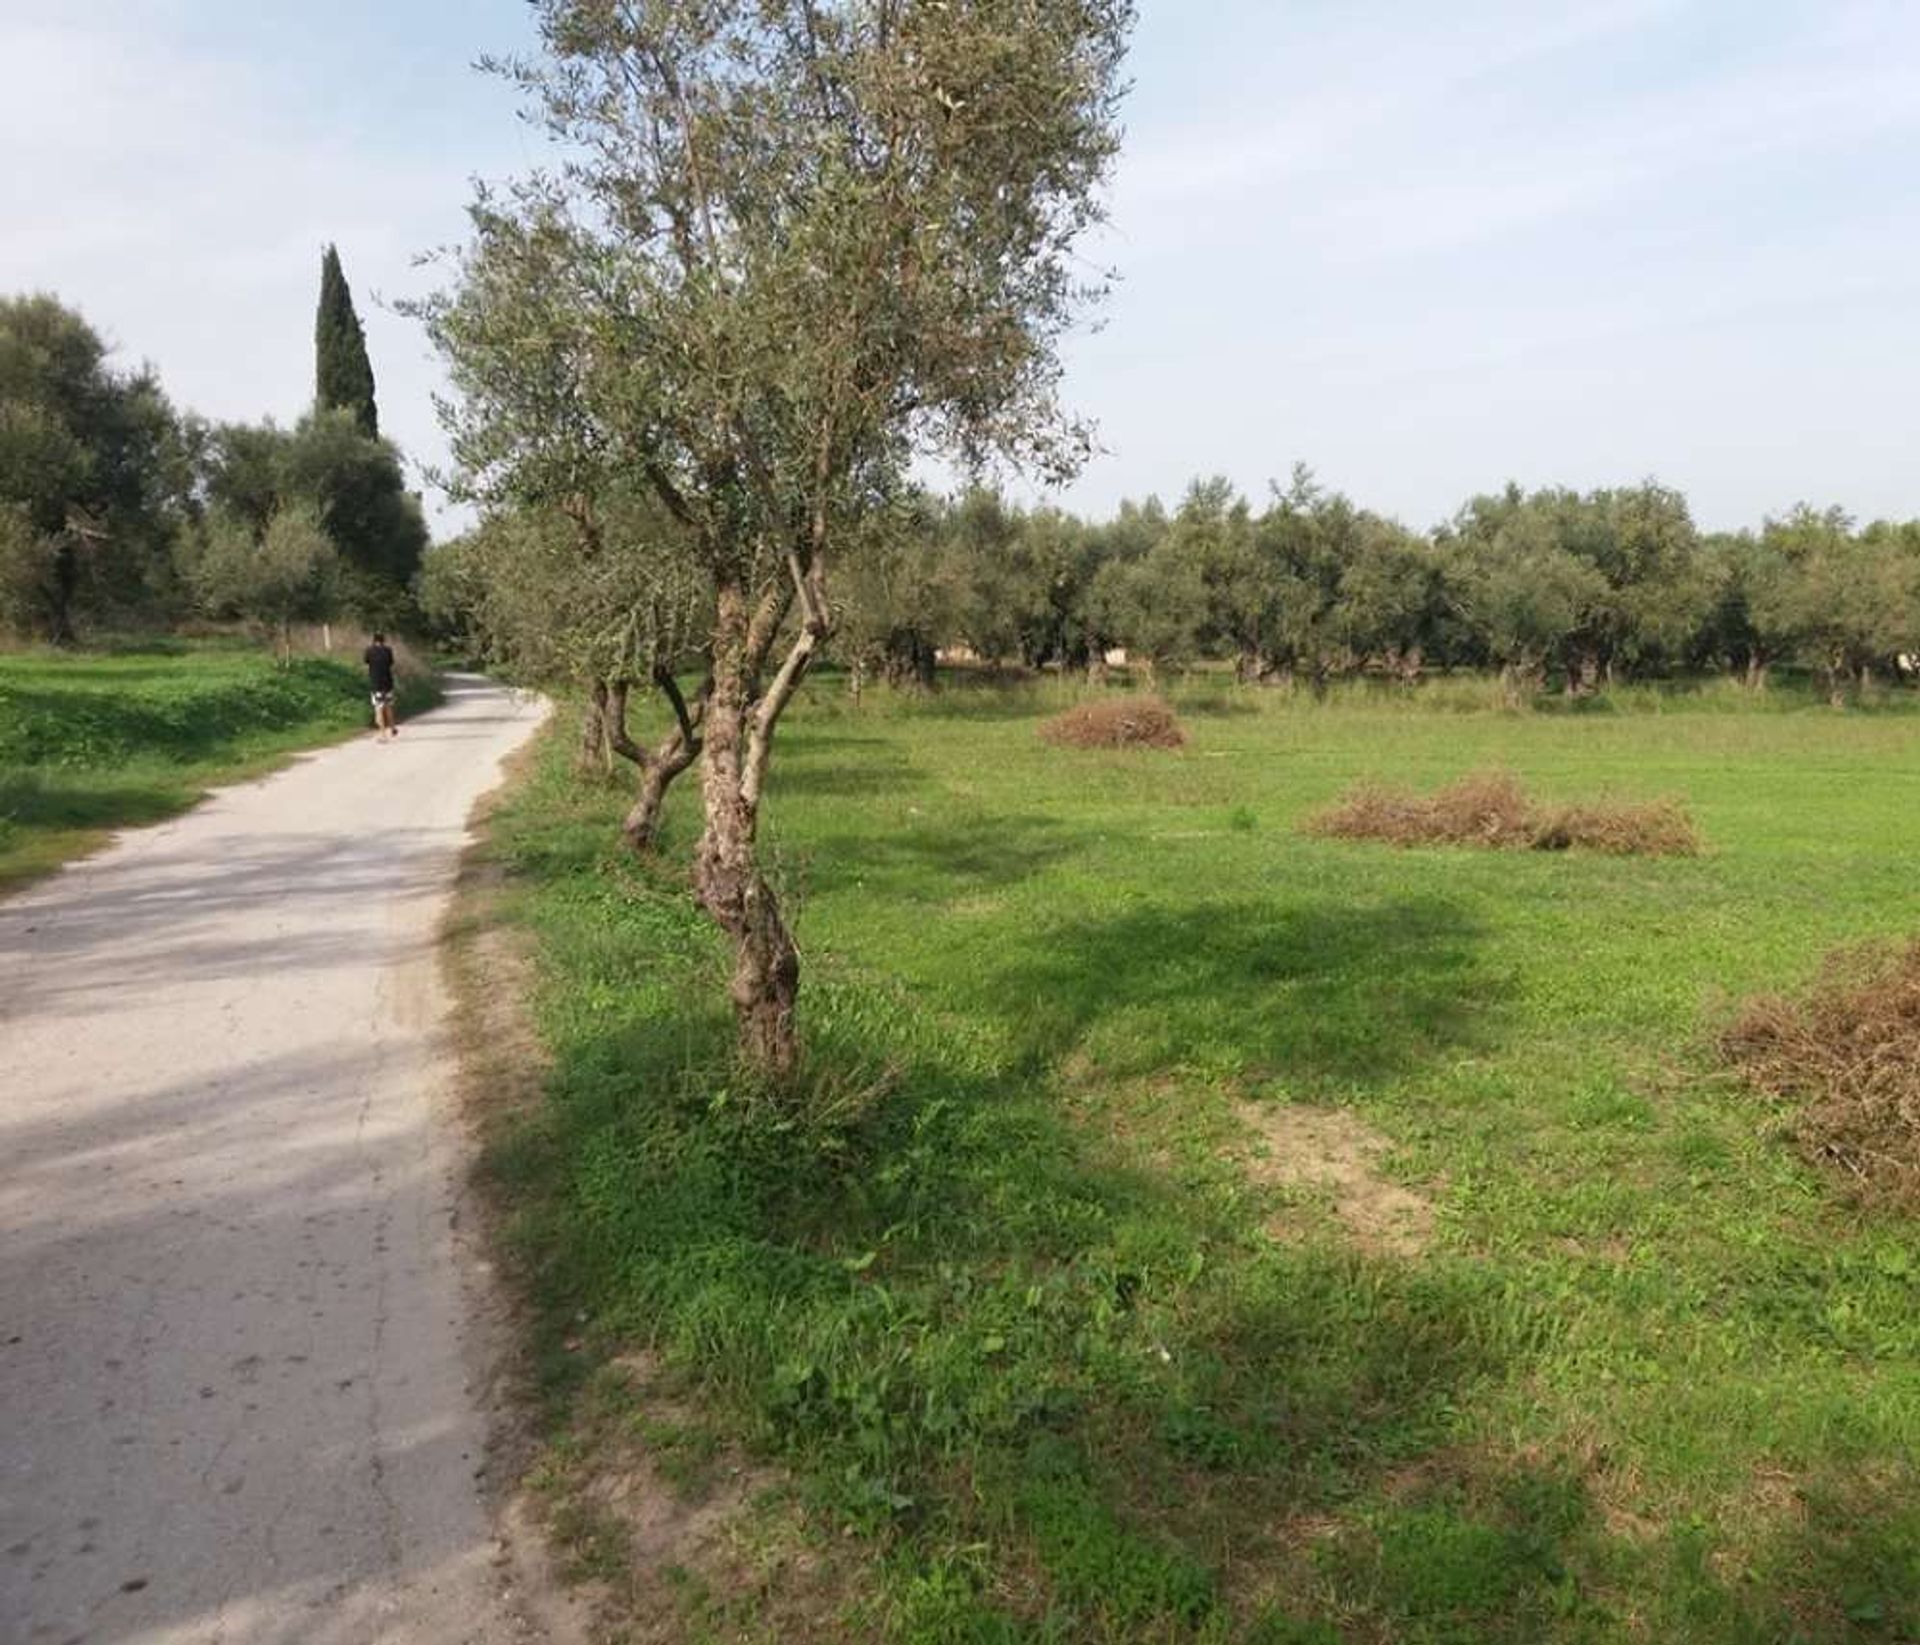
(1424, 246)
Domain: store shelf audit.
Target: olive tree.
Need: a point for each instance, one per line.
(1846, 600)
(1654, 590)
(1155, 605)
(1750, 620)
(1514, 579)
(286, 573)
(578, 576)
(1392, 596)
(1300, 549)
(1151, 591)
(899, 600)
(808, 238)
(584, 601)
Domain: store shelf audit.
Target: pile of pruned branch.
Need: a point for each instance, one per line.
(1125, 722)
(1846, 1056)
(1493, 809)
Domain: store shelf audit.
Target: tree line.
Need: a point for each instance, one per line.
(1553, 589)
(119, 511)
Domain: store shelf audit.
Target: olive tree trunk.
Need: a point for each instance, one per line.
(659, 766)
(741, 717)
(594, 752)
(733, 890)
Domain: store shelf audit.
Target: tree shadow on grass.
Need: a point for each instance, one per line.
(1517, 1551)
(963, 1328)
(946, 1281)
(842, 782)
(1219, 703)
(31, 801)
(1240, 1412)
(1841, 1564)
(938, 861)
(988, 703)
(961, 1324)
(948, 1308)
(1315, 995)
(843, 766)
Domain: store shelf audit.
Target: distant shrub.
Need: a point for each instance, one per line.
(1492, 809)
(1124, 722)
(1847, 1056)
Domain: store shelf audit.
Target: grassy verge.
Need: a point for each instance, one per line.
(94, 742)
(1067, 1310)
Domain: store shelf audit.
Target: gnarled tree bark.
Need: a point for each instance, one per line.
(741, 718)
(594, 753)
(658, 766)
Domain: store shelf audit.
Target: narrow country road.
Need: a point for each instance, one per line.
(237, 1397)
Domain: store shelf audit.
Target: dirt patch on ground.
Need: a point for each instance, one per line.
(1847, 1059)
(675, 1535)
(1332, 1152)
(1492, 809)
(1124, 722)
(668, 1510)
(502, 1064)
(499, 1071)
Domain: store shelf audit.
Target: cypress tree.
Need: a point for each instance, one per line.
(343, 374)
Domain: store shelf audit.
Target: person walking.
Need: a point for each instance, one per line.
(379, 661)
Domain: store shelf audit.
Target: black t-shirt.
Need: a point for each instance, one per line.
(379, 661)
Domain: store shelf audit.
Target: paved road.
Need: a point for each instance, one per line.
(236, 1402)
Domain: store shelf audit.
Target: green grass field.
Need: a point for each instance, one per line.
(96, 741)
(1045, 1346)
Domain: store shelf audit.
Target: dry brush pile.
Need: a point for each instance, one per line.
(1493, 809)
(1847, 1057)
(1125, 722)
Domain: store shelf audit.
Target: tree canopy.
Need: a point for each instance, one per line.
(94, 474)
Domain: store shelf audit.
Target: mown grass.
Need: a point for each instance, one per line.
(1008, 1307)
(97, 741)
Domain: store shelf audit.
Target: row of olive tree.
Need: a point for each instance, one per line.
(119, 511)
(1582, 588)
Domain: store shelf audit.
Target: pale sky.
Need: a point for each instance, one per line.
(1425, 247)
